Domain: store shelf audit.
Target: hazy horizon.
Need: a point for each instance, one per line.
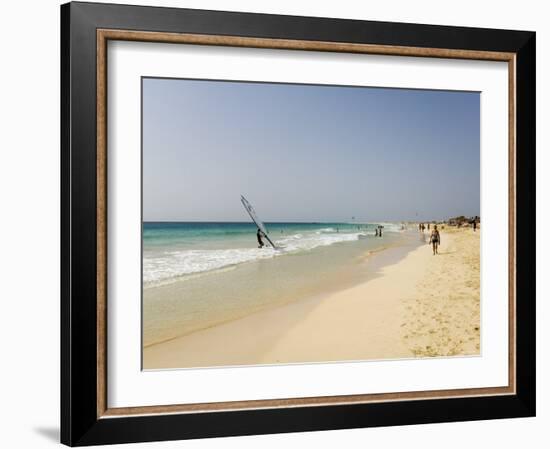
(307, 153)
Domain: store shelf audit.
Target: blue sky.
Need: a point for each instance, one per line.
(307, 153)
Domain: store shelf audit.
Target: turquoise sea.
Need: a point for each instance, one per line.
(173, 250)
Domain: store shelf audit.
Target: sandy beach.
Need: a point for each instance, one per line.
(412, 304)
(443, 316)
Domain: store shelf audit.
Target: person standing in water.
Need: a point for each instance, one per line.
(259, 234)
(435, 240)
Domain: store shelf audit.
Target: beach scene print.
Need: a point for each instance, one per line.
(291, 223)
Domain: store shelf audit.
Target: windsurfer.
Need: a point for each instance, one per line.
(259, 235)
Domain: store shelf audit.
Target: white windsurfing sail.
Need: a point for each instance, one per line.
(255, 219)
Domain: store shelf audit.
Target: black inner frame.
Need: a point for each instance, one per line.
(79, 422)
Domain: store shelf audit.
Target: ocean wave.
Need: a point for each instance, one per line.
(308, 242)
(172, 265)
(392, 227)
(325, 231)
(169, 266)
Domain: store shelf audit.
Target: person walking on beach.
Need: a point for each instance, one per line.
(379, 231)
(435, 240)
(259, 234)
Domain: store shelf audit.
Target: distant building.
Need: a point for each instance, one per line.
(463, 221)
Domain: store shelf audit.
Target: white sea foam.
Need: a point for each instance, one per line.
(173, 264)
(325, 230)
(392, 227)
(168, 266)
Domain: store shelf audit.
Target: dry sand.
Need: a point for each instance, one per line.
(423, 305)
(443, 319)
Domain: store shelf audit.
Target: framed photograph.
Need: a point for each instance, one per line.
(277, 224)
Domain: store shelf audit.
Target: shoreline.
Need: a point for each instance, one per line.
(396, 312)
(283, 334)
(371, 261)
(202, 301)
